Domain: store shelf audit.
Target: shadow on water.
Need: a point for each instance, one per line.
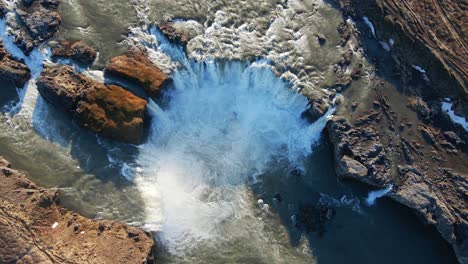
(385, 233)
(8, 95)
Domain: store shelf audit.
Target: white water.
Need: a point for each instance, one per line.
(374, 195)
(225, 125)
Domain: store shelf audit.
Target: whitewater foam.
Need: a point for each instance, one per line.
(225, 124)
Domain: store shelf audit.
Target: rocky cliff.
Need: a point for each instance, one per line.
(392, 129)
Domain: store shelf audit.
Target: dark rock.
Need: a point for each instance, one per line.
(171, 33)
(314, 218)
(427, 134)
(76, 50)
(62, 87)
(12, 69)
(453, 138)
(3, 9)
(351, 168)
(317, 108)
(40, 22)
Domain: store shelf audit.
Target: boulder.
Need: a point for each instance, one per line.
(78, 51)
(38, 20)
(134, 66)
(316, 110)
(108, 110)
(113, 112)
(62, 86)
(34, 228)
(171, 33)
(12, 69)
(41, 23)
(350, 168)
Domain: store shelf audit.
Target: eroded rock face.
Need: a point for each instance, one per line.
(135, 67)
(62, 86)
(34, 228)
(12, 69)
(108, 110)
(113, 112)
(425, 164)
(37, 21)
(75, 50)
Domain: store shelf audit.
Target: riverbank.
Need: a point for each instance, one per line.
(35, 228)
(392, 128)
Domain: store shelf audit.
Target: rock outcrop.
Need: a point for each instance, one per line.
(134, 66)
(425, 164)
(78, 51)
(12, 69)
(429, 34)
(113, 112)
(63, 87)
(34, 228)
(37, 21)
(108, 110)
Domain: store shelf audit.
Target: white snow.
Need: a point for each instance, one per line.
(447, 107)
(370, 25)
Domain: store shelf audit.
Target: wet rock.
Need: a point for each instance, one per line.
(62, 86)
(171, 33)
(12, 69)
(105, 109)
(314, 218)
(3, 9)
(41, 23)
(78, 51)
(32, 231)
(317, 108)
(37, 21)
(113, 112)
(134, 66)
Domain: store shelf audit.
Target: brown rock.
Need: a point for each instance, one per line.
(113, 112)
(135, 66)
(351, 168)
(12, 69)
(78, 51)
(108, 110)
(172, 34)
(35, 229)
(62, 87)
(316, 110)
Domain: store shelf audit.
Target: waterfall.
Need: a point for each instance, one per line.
(374, 195)
(224, 125)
